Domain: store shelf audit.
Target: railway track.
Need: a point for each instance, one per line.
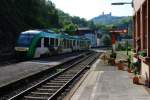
(52, 87)
(16, 87)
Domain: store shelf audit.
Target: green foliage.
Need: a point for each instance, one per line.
(106, 39)
(70, 28)
(21, 15)
(143, 53)
(30, 13)
(113, 55)
(71, 23)
(101, 26)
(136, 67)
(120, 47)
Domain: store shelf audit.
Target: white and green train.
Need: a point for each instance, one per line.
(36, 43)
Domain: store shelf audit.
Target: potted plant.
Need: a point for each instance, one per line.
(143, 53)
(136, 77)
(133, 50)
(129, 64)
(120, 65)
(136, 72)
(112, 58)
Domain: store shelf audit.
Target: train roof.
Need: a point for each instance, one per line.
(52, 34)
(31, 32)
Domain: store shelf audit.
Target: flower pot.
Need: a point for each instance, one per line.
(120, 66)
(146, 82)
(136, 80)
(129, 70)
(112, 61)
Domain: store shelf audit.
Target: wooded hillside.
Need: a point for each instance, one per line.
(20, 15)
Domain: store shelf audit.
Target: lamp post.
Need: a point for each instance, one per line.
(123, 3)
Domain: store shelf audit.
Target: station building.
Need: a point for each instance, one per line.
(90, 34)
(141, 35)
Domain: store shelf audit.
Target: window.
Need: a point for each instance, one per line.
(56, 42)
(25, 40)
(68, 43)
(65, 43)
(46, 42)
(74, 42)
(51, 41)
(38, 43)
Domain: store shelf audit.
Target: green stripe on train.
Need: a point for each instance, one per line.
(31, 52)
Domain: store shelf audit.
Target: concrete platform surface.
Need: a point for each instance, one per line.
(14, 72)
(107, 83)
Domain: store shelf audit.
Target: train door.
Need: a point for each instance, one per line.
(56, 45)
(39, 47)
(42, 47)
(60, 46)
(74, 45)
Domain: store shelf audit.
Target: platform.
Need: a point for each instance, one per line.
(15, 72)
(107, 83)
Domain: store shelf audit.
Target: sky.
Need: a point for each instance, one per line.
(91, 8)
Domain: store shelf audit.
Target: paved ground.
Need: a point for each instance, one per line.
(14, 72)
(105, 82)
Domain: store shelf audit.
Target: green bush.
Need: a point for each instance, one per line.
(120, 47)
(143, 53)
(136, 67)
(113, 55)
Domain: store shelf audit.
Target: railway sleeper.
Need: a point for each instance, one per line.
(35, 98)
(50, 87)
(64, 77)
(46, 90)
(69, 72)
(59, 81)
(54, 84)
(73, 72)
(41, 93)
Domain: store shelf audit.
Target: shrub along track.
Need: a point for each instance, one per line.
(55, 85)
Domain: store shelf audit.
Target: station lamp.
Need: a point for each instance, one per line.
(123, 3)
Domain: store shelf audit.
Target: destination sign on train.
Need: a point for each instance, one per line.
(119, 31)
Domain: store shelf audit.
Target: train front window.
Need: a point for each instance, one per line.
(25, 40)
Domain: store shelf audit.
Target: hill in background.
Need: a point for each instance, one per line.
(108, 19)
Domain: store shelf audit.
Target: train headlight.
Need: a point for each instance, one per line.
(21, 49)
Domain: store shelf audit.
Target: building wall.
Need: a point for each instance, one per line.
(88, 33)
(137, 4)
(98, 42)
(145, 71)
(92, 38)
(141, 34)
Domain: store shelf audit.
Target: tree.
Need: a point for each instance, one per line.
(70, 28)
(106, 39)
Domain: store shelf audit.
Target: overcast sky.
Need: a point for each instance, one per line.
(91, 8)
